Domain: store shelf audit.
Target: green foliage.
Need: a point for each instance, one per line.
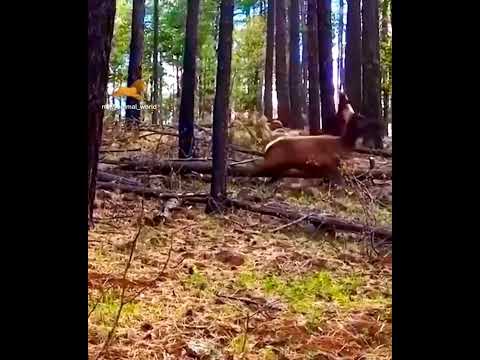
(248, 61)
(246, 6)
(240, 344)
(197, 280)
(207, 44)
(121, 41)
(106, 309)
(247, 279)
(386, 64)
(308, 295)
(386, 50)
(249, 42)
(172, 30)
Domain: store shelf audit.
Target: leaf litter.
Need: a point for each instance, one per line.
(233, 288)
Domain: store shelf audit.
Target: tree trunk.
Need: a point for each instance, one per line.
(313, 70)
(218, 189)
(341, 69)
(304, 7)
(327, 90)
(371, 104)
(132, 112)
(295, 64)
(259, 91)
(267, 96)
(353, 53)
(155, 62)
(176, 103)
(281, 70)
(386, 73)
(187, 104)
(160, 87)
(101, 15)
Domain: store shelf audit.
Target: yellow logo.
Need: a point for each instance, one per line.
(135, 91)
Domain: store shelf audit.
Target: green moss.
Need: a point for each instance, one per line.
(240, 344)
(107, 308)
(197, 280)
(247, 279)
(310, 295)
(268, 354)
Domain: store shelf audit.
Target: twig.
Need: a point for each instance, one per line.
(124, 286)
(102, 293)
(160, 274)
(243, 162)
(290, 223)
(107, 177)
(148, 191)
(242, 299)
(156, 132)
(119, 150)
(384, 153)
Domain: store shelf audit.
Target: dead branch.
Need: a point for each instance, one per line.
(319, 220)
(205, 167)
(315, 219)
(294, 222)
(107, 177)
(119, 150)
(148, 191)
(157, 132)
(124, 287)
(376, 152)
(164, 267)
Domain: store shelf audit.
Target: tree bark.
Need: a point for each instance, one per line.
(218, 190)
(386, 73)
(132, 113)
(327, 90)
(160, 86)
(281, 70)
(155, 62)
(295, 67)
(269, 53)
(101, 15)
(353, 53)
(313, 70)
(371, 103)
(187, 104)
(303, 7)
(341, 69)
(259, 104)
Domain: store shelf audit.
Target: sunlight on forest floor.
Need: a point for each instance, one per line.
(232, 288)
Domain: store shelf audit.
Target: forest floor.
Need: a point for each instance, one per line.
(233, 286)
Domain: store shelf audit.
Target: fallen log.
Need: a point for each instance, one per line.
(150, 192)
(205, 167)
(157, 132)
(315, 219)
(376, 152)
(319, 220)
(105, 176)
(119, 150)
